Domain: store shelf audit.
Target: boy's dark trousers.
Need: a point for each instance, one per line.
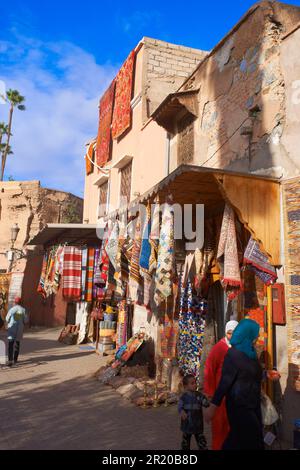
(186, 441)
(13, 350)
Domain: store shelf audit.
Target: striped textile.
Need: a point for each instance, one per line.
(83, 273)
(90, 275)
(96, 271)
(72, 273)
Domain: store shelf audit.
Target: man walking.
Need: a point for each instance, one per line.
(16, 318)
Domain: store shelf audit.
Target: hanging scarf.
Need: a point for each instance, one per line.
(228, 255)
(154, 238)
(244, 335)
(134, 271)
(119, 259)
(84, 272)
(145, 257)
(72, 273)
(259, 263)
(112, 244)
(96, 272)
(165, 259)
(90, 273)
(41, 286)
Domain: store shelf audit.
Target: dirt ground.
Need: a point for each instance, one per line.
(51, 400)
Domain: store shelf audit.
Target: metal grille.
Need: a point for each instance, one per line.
(103, 199)
(186, 140)
(126, 183)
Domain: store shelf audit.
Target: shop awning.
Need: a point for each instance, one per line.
(65, 233)
(256, 199)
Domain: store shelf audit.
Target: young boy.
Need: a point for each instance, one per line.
(190, 409)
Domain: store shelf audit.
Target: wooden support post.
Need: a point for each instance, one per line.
(270, 362)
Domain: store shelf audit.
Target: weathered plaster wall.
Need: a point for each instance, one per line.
(242, 85)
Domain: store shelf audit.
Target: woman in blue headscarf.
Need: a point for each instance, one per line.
(241, 386)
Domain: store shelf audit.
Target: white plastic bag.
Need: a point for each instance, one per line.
(268, 410)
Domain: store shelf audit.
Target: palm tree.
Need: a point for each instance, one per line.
(15, 100)
(3, 130)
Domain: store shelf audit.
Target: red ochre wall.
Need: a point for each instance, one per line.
(48, 312)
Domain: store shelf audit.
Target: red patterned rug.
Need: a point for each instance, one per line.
(122, 107)
(104, 131)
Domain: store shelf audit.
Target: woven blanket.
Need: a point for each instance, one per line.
(228, 255)
(165, 258)
(84, 272)
(122, 107)
(72, 273)
(134, 271)
(90, 157)
(154, 238)
(259, 262)
(104, 130)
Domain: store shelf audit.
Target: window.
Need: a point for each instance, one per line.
(103, 199)
(125, 187)
(186, 140)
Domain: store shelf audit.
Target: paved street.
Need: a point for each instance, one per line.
(52, 401)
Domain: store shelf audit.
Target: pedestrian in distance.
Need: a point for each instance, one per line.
(16, 319)
(190, 409)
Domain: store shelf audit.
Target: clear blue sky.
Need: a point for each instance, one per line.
(62, 55)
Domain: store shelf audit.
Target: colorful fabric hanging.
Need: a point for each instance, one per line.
(96, 271)
(134, 269)
(84, 272)
(119, 259)
(228, 255)
(191, 333)
(145, 257)
(90, 157)
(72, 273)
(41, 286)
(90, 275)
(259, 263)
(122, 108)
(168, 338)
(104, 130)
(165, 258)
(4, 290)
(154, 238)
